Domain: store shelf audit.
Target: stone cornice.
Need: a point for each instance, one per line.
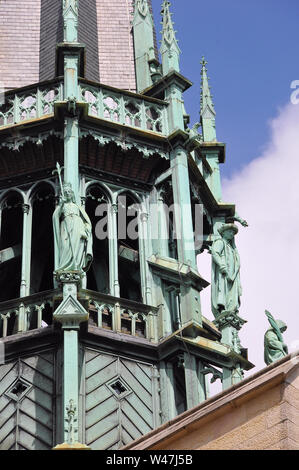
(172, 77)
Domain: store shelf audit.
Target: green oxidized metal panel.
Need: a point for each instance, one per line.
(120, 403)
(26, 403)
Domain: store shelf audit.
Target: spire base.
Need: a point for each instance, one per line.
(65, 48)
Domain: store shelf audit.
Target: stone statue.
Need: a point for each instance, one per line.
(226, 287)
(72, 234)
(275, 348)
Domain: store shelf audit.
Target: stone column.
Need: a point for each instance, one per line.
(168, 406)
(182, 207)
(156, 397)
(26, 250)
(113, 250)
(71, 125)
(71, 154)
(70, 313)
(190, 304)
(192, 381)
(143, 255)
(227, 378)
(214, 180)
(163, 228)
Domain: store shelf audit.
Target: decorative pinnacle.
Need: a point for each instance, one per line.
(169, 44)
(205, 94)
(71, 5)
(207, 110)
(70, 20)
(168, 29)
(142, 7)
(142, 12)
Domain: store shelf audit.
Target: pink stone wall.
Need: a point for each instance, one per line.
(115, 38)
(19, 42)
(30, 29)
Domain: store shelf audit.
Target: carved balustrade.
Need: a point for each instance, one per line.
(28, 313)
(107, 312)
(104, 102)
(30, 102)
(121, 315)
(125, 108)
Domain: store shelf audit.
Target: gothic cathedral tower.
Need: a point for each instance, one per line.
(107, 200)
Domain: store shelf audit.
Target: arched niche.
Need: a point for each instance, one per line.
(42, 241)
(11, 206)
(128, 246)
(97, 206)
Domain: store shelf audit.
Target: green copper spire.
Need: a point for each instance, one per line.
(147, 67)
(207, 110)
(207, 122)
(70, 20)
(70, 15)
(170, 50)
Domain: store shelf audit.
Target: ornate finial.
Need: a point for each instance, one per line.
(70, 3)
(203, 61)
(168, 30)
(170, 50)
(70, 20)
(206, 97)
(142, 7)
(207, 110)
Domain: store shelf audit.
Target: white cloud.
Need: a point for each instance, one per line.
(266, 194)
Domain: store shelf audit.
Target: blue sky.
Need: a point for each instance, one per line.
(252, 51)
(253, 56)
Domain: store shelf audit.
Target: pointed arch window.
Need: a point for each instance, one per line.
(42, 243)
(97, 207)
(11, 245)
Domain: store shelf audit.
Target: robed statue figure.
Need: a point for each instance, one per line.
(72, 234)
(226, 287)
(274, 346)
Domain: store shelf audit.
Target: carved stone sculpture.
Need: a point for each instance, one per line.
(226, 286)
(275, 348)
(72, 234)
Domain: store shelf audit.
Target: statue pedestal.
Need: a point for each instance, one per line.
(229, 323)
(75, 446)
